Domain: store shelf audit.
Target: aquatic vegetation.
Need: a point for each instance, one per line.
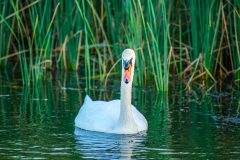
(184, 39)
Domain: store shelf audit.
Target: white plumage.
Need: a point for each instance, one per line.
(116, 116)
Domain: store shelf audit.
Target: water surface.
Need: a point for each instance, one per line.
(38, 121)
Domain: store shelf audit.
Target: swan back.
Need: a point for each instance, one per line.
(103, 116)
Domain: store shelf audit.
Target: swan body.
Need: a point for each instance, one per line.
(116, 116)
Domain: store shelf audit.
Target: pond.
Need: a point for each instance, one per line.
(38, 121)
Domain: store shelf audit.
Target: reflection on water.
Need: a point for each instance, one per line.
(98, 145)
(38, 121)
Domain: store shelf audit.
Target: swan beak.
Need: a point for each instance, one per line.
(127, 76)
(127, 65)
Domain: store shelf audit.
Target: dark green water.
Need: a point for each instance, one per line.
(38, 122)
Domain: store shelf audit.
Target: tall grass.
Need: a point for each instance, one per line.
(5, 33)
(187, 38)
(234, 26)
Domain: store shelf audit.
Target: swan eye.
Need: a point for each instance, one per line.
(130, 61)
(126, 64)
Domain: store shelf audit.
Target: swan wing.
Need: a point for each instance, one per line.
(139, 119)
(87, 99)
(103, 116)
(98, 115)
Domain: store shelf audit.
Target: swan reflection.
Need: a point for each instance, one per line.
(99, 145)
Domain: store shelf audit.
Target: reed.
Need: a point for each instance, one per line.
(234, 27)
(6, 34)
(190, 39)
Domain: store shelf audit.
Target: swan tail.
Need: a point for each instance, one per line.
(87, 98)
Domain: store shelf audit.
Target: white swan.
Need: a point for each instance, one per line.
(116, 116)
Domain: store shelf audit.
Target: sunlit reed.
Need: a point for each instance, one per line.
(169, 37)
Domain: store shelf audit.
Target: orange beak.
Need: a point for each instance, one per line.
(127, 75)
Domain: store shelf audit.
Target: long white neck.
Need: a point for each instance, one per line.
(126, 123)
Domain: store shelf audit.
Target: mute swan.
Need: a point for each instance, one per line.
(116, 116)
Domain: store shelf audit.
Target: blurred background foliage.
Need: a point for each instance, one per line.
(185, 39)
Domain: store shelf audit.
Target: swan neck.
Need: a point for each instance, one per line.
(126, 95)
(126, 123)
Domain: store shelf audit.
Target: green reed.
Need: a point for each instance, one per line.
(186, 38)
(234, 27)
(6, 34)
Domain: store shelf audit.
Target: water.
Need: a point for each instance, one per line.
(38, 122)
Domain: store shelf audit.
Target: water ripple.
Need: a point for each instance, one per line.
(109, 146)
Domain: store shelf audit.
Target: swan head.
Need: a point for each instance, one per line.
(128, 62)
